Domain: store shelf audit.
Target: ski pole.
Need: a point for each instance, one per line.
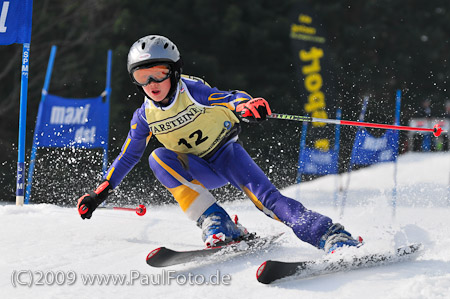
(140, 210)
(436, 130)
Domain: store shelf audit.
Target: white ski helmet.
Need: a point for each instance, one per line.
(152, 50)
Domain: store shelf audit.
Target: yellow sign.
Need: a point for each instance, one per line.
(311, 67)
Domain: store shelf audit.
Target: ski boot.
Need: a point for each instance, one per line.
(218, 229)
(337, 237)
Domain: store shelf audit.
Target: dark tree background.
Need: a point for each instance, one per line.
(376, 47)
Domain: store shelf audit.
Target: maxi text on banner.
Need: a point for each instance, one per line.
(369, 150)
(318, 162)
(72, 123)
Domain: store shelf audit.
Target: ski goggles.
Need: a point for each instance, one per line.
(144, 75)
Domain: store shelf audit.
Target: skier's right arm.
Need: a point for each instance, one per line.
(132, 151)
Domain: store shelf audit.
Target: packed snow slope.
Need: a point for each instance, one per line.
(49, 252)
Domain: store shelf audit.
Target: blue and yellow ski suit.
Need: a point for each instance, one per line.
(199, 131)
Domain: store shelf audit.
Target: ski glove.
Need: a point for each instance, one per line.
(89, 202)
(253, 110)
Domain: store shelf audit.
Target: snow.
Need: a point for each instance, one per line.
(51, 240)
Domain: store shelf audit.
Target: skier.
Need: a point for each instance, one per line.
(199, 126)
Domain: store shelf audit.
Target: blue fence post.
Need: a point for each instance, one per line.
(22, 125)
(337, 139)
(15, 28)
(350, 167)
(398, 100)
(300, 153)
(44, 93)
(108, 98)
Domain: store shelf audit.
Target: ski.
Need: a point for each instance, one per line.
(271, 271)
(164, 257)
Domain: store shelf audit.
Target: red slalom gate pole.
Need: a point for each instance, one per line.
(436, 130)
(140, 210)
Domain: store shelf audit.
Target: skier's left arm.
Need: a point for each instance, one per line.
(132, 149)
(249, 109)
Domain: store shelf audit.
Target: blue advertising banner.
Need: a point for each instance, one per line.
(313, 161)
(368, 149)
(15, 21)
(64, 122)
(71, 122)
